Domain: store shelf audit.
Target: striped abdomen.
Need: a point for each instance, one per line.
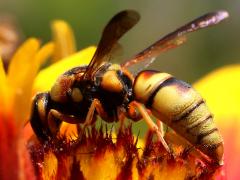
(178, 105)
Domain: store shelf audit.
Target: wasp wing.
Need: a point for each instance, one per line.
(113, 31)
(175, 38)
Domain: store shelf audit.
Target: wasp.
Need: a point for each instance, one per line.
(112, 92)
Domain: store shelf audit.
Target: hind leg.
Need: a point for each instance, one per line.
(153, 127)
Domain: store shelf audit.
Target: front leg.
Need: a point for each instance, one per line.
(45, 120)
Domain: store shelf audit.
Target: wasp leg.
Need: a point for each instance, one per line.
(96, 105)
(90, 114)
(101, 112)
(153, 127)
(55, 118)
(160, 127)
(56, 115)
(121, 115)
(132, 112)
(54, 121)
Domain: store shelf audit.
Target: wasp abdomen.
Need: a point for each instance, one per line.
(179, 106)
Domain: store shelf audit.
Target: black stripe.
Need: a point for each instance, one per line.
(199, 123)
(214, 146)
(188, 112)
(126, 82)
(201, 136)
(163, 84)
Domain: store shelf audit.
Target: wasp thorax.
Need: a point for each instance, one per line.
(111, 81)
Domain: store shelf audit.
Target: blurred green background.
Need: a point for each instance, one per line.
(204, 51)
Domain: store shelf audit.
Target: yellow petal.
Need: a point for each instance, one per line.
(100, 166)
(23, 91)
(21, 62)
(221, 89)
(2, 72)
(44, 54)
(70, 131)
(63, 37)
(50, 166)
(48, 76)
(4, 93)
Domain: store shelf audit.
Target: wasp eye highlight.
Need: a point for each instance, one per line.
(76, 95)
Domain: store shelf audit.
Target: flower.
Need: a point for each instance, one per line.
(221, 90)
(91, 153)
(16, 93)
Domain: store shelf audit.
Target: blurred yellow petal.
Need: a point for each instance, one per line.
(63, 37)
(44, 53)
(21, 62)
(3, 88)
(221, 89)
(48, 76)
(2, 73)
(23, 93)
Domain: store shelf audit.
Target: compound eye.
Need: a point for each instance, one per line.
(76, 95)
